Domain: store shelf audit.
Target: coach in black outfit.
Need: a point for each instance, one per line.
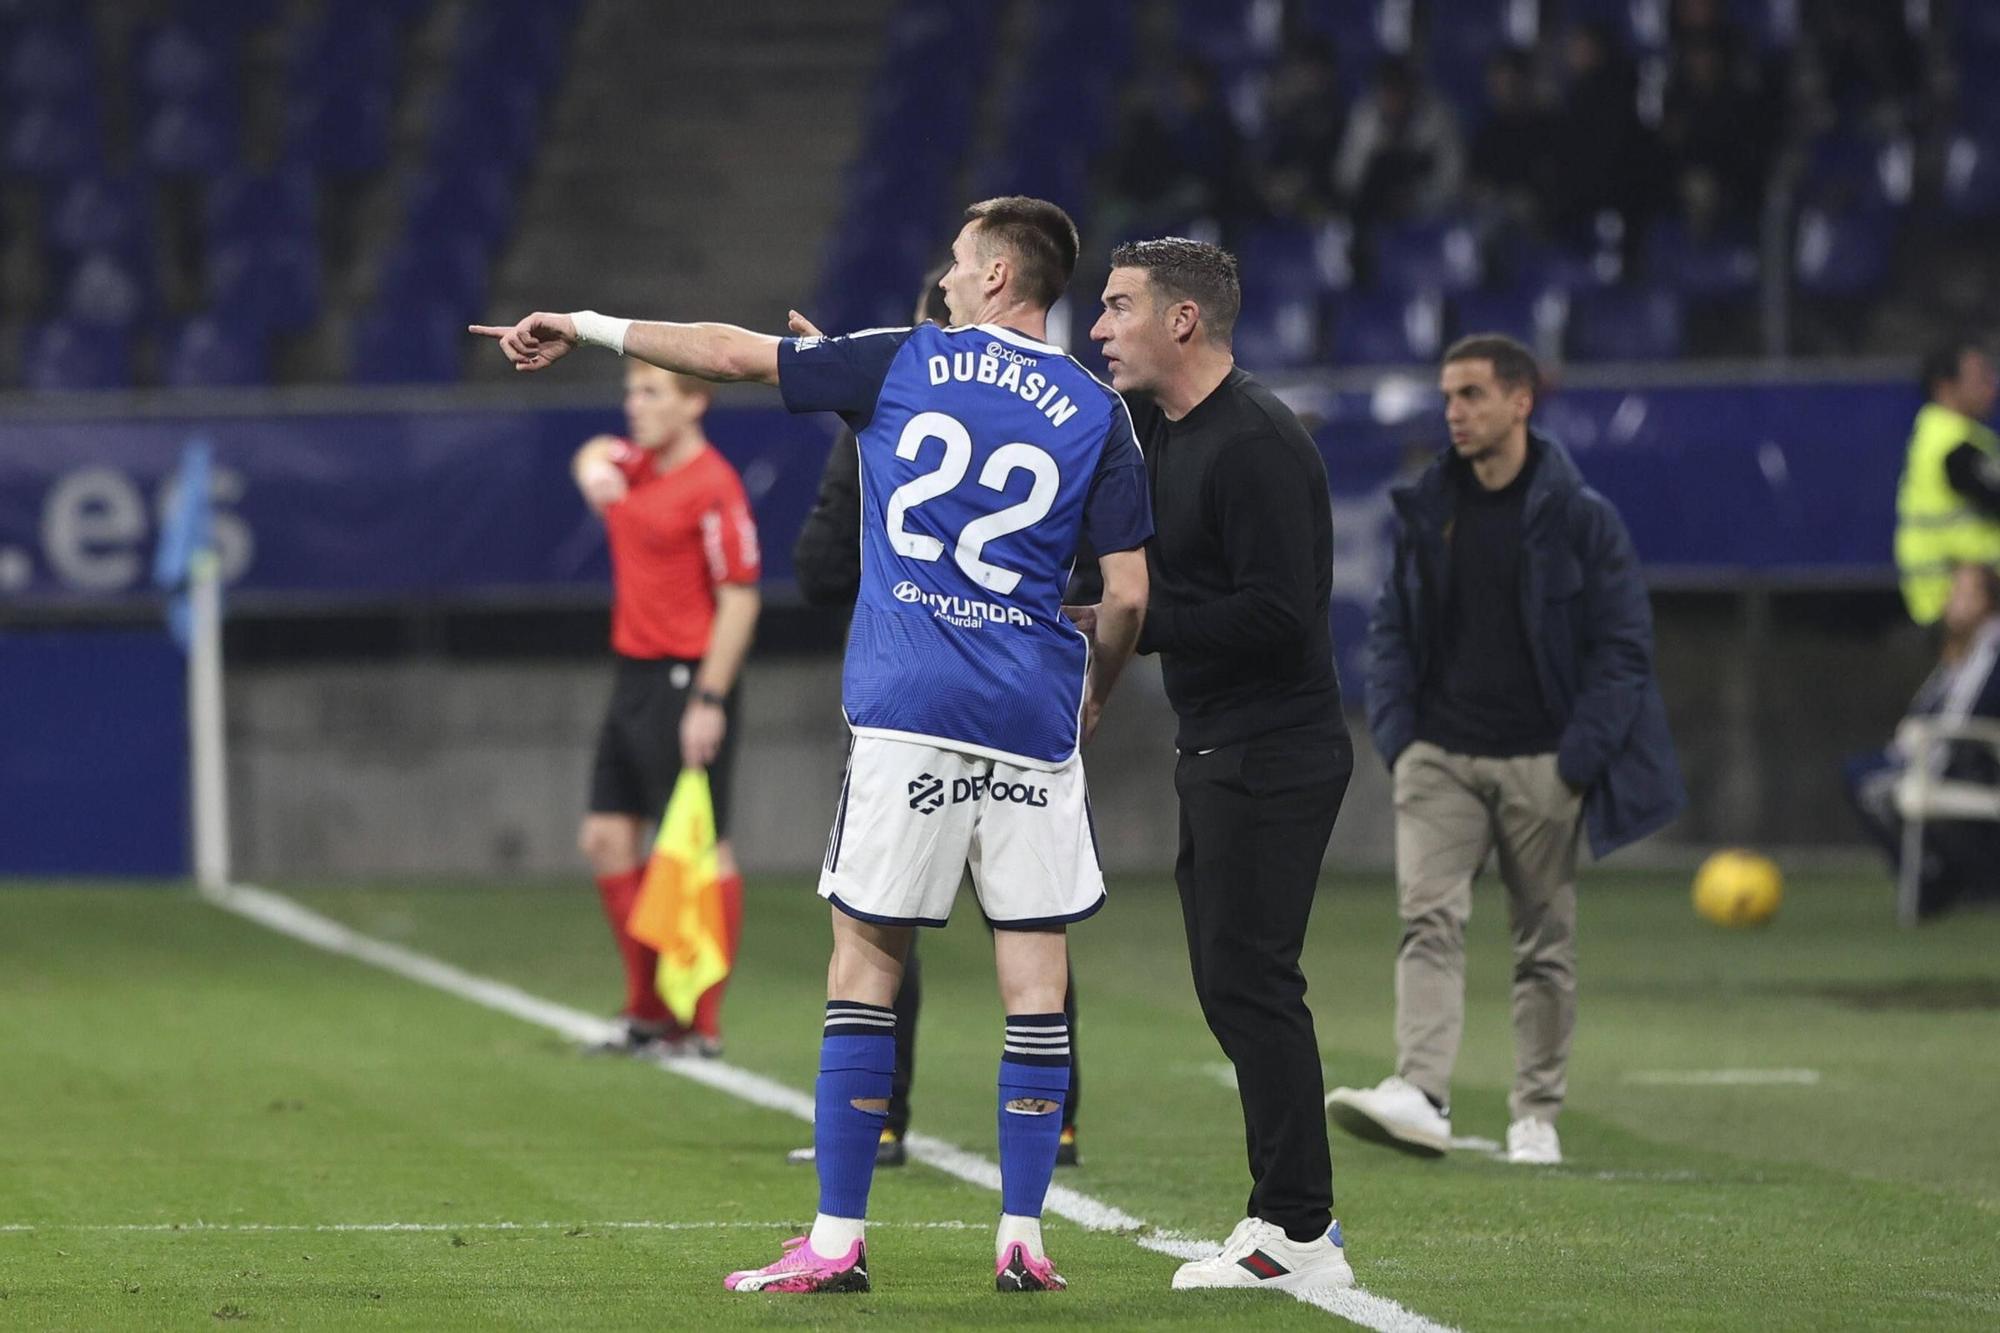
(1242, 568)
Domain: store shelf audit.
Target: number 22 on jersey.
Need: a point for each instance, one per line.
(1000, 467)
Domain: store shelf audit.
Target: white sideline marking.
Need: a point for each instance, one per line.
(289, 918)
(461, 1226)
(1473, 1143)
(1717, 1078)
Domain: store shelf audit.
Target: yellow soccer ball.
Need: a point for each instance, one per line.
(1738, 888)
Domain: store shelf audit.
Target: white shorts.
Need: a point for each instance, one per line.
(912, 817)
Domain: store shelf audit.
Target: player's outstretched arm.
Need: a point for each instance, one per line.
(1113, 625)
(720, 352)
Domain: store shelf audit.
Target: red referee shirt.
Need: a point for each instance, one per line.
(674, 537)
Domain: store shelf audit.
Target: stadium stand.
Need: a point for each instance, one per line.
(230, 185)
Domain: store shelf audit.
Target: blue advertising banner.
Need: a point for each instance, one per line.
(362, 506)
(1717, 482)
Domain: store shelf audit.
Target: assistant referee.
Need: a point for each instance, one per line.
(1241, 568)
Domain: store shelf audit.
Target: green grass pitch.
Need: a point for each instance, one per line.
(191, 1107)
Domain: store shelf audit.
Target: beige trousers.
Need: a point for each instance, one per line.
(1452, 811)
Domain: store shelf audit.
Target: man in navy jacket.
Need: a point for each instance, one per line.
(1510, 688)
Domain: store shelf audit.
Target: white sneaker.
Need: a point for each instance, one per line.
(1533, 1142)
(1394, 1112)
(1258, 1254)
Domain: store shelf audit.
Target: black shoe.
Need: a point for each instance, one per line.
(889, 1151)
(1066, 1147)
(632, 1038)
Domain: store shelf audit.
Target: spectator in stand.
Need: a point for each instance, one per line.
(1870, 65)
(1304, 117)
(1512, 171)
(1711, 123)
(1401, 155)
(1604, 149)
(1177, 155)
(1961, 857)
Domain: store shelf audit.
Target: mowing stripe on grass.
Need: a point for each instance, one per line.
(1724, 1078)
(289, 918)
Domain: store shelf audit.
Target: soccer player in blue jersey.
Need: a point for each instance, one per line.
(987, 457)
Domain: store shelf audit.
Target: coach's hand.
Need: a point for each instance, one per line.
(538, 341)
(1092, 711)
(1085, 619)
(802, 326)
(702, 728)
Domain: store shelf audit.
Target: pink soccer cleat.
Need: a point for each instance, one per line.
(1017, 1271)
(800, 1269)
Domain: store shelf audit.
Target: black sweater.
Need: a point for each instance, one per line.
(1241, 566)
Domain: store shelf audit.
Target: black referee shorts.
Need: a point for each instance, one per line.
(639, 747)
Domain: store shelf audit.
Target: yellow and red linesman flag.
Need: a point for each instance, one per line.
(679, 910)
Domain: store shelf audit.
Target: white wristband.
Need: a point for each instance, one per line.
(595, 330)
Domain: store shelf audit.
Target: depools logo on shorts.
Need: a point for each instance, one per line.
(963, 612)
(928, 792)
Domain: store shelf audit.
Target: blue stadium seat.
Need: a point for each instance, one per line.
(1278, 332)
(401, 344)
(1284, 258)
(342, 52)
(1625, 323)
(471, 125)
(465, 199)
(1843, 254)
(448, 272)
(1538, 316)
(52, 139)
(1441, 255)
(227, 18)
(1848, 169)
(243, 206)
(501, 46)
(215, 351)
(178, 61)
(1972, 176)
(50, 61)
(340, 132)
(1387, 328)
(1772, 24)
(270, 283)
(61, 356)
(106, 290)
(91, 213)
(195, 137)
(1719, 266)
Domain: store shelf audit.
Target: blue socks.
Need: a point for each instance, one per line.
(1034, 1066)
(857, 1061)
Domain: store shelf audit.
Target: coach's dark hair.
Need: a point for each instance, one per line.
(1513, 364)
(1190, 271)
(1942, 362)
(1040, 235)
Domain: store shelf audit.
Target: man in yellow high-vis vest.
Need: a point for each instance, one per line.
(1948, 503)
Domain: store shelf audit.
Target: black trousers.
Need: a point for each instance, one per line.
(910, 999)
(1255, 819)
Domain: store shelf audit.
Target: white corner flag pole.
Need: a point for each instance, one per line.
(209, 771)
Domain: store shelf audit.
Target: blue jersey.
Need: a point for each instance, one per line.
(988, 460)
